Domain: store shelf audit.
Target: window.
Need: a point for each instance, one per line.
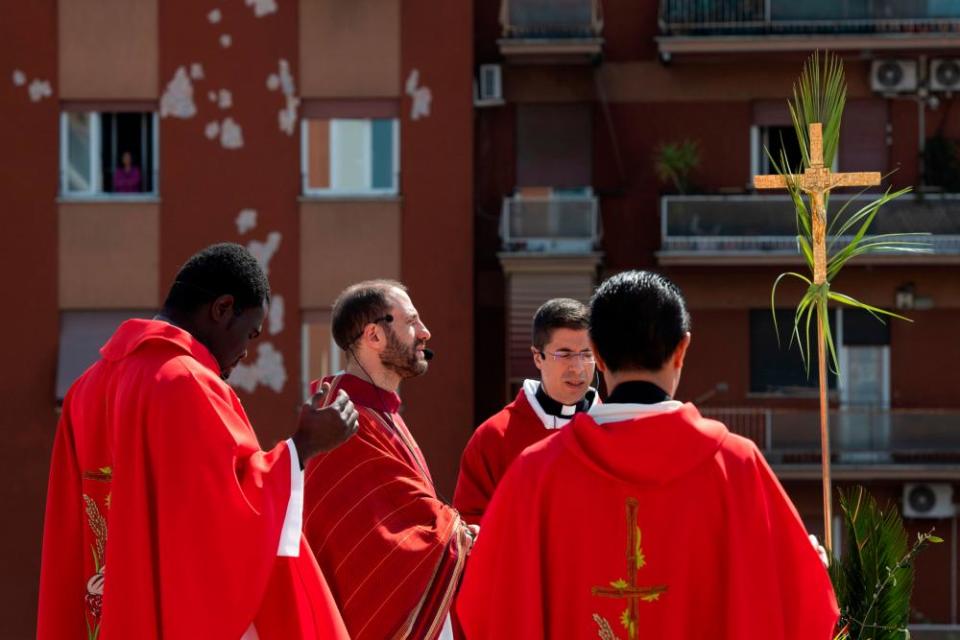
(776, 141)
(777, 367)
(350, 157)
(106, 153)
(82, 333)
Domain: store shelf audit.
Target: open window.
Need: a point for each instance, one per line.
(108, 153)
(776, 365)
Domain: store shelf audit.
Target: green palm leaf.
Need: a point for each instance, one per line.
(874, 579)
(819, 96)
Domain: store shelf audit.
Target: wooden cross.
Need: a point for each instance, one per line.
(632, 593)
(817, 182)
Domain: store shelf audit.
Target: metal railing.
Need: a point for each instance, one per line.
(858, 435)
(772, 17)
(555, 224)
(551, 19)
(765, 224)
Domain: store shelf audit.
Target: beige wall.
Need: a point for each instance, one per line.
(108, 49)
(109, 255)
(349, 49)
(342, 242)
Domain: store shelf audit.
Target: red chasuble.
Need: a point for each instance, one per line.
(392, 551)
(164, 517)
(659, 525)
(494, 445)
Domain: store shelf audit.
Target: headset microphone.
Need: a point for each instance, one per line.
(427, 354)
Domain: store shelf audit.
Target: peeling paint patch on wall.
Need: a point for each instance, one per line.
(275, 315)
(214, 16)
(225, 99)
(226, 40)
(262, 7)
(422, 96)
(196, 71)
(268, 370)
(231, 134)
(212, 130)
(264, 251)
(246, 220)
(177, 99)
(39, 89)
(283, 80)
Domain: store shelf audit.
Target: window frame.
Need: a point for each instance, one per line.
(333, 192)
(96, 192)
(759, 163)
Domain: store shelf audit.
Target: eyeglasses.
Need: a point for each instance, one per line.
(569, 357)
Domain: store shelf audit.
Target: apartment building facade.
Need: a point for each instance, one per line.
(578, 103)
(332, 139)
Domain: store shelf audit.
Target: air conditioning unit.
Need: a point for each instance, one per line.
(923, 500)
(893, 76)
(489, 86)
(945, 74)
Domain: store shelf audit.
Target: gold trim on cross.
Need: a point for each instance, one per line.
(629, 590)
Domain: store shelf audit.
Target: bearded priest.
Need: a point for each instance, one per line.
(391, 549)
(642, 519)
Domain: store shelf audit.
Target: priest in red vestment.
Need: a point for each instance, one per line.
(165, 519)
(561, 351)
(392, 550)
(642, 519)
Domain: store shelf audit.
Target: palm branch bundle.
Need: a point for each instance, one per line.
(874, 578)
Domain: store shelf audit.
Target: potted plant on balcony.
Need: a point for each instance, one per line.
(873, 578)
(674, 162)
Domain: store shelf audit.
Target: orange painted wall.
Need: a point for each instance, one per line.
(28, 189)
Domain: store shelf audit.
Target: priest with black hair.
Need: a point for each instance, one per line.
(641, 518)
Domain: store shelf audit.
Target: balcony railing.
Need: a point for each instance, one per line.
(552, 19)
(702, 228)
(786, 17)
(858, 436)
(551, 31)
(551, 224)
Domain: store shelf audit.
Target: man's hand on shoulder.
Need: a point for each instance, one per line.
(323, 429)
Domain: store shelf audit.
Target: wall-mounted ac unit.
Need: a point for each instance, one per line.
(928, 500)
(945, 74)
(489, 86)
(893, 76)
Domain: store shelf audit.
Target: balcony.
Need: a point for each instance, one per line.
(760, 229)
(551, 224)
(925, 442)
(691, 26)
(551, 31)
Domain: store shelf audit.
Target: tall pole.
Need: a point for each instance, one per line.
(819, 232)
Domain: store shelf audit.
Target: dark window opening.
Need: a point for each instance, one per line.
(777, 367)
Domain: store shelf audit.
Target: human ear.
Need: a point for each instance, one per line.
(680, 353)
(537, 358)
(601, 365)
(221, 308)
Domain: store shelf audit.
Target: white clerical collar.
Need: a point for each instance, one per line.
(604, 413)
(530, 388)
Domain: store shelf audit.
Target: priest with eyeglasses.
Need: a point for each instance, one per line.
(561, 351)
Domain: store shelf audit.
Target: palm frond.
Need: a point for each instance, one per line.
(819, 95)
(874, 578)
